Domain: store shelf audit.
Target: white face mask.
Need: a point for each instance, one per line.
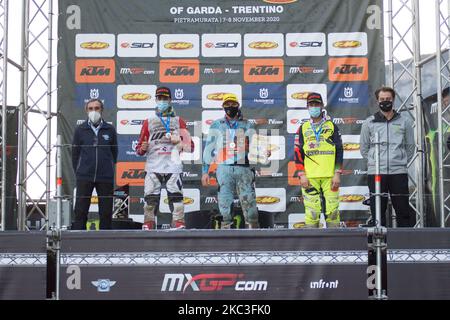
(94, 116)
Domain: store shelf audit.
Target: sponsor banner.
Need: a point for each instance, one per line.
(221, 45)
(296, 94)
(305, 69)
(293, 179)
(264, 96)
(271, 199)
(179, 71)
(305, 44)
(95, 45)
(297, 221)
(179, 45)
(347, 44)
(208, 117)
(351, 198)
(132, 173)
(215, 70)
(348, 69)
(137, 45)
(105, 92)
(191, 200)
(192, 156)
(185, 95)
(295, 118)
(351, 147)
(127, 146)
(136, 96)
(263, 70)
(263, 45)
(130, 122)
(134, 71)
(212, 95)
(349, 94)
(95, 71)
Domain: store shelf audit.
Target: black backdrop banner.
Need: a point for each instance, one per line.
(270, 53)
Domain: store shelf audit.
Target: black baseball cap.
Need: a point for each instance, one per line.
(314, 97)
(163, 91)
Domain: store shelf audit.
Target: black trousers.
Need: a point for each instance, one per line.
(105, 203)
(397, 186)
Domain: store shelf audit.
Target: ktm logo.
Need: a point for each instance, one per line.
(132, 173)
(218, 96)
(267, 200)
(299, 95)
(348, 69)
(263, 45)
(263, 70)
(94, 45)
(186, 200)
(347, 44)
(279, 1)
(179, 71)
(95, 70)
(178, 45)
(136, 96)
(352, 198)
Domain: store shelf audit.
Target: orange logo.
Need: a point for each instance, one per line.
(218, 96)
(347, 44)
(136, 96)
(179, 71)
(263, 70)
(279, 1)
(179, 45)
(94, 45)
(263, 45)
(348, 69)
(299, 95)
(95, 70)
(132, 173)
(293, 179)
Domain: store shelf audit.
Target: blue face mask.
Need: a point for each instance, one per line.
(315, 112)
(163, 106)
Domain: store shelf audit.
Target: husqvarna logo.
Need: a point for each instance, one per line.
(263, 93)
(179, 93)
(348, 92)
(94, 94)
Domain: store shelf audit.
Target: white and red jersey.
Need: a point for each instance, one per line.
(162, 155)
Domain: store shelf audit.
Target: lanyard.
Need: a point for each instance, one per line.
(232, 130)
(317, 133)
(166, 124)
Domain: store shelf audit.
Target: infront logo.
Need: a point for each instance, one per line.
(95, 71)
(321, 284)
(179, 71)
(263, 70)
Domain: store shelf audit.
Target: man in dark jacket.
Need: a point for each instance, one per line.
(397, 148)
(94, 153)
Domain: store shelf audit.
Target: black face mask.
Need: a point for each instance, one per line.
(231, 111)
(385, 106)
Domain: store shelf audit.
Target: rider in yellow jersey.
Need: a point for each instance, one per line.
(318, 158)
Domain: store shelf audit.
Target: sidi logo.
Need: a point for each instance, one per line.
(321, 284)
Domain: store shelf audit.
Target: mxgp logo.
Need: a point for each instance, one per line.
(206, 282)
